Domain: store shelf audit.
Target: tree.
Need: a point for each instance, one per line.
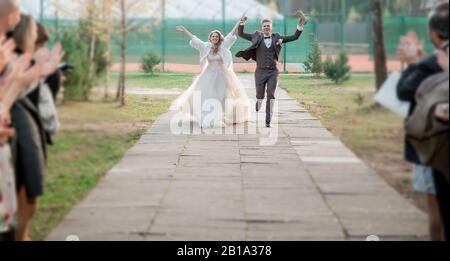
(107, 16)
(127, 24)
(378, 44)
(338, 71)
(95, 28)
(314, 62)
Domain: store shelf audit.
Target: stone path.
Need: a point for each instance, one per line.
(306, 186)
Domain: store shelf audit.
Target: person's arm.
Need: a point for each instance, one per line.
(195, 42)
(442, 59)
(234, 31)
(231, 38)
(241, 32)
(6, 52)
(413, 76)
(18, 77)
(302, 21)
(185, 31)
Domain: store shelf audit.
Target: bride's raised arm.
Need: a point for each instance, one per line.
(195, 42)
(185, 31)
(231, 38)
(235, 28)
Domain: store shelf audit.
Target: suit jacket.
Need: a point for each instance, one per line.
(257, 38)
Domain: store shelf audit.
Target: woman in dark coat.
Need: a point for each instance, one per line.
(29, 143)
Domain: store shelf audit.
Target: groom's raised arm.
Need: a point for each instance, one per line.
(294, 37)
(302, 21)
(244, 35)
(241, 32)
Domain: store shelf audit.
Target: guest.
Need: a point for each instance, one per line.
(418, 70)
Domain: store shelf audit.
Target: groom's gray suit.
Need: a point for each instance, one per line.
(266, 59)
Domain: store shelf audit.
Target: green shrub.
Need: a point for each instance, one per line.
(149, 61)
(338, 71)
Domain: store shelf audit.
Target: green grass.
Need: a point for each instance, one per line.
(95, 136)
(157, 80)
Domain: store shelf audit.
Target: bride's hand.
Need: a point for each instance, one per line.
(243, 20)
(181, 28)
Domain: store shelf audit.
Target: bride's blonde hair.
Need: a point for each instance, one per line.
(216, 46)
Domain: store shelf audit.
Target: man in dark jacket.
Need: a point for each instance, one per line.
(418, 70)
(265, 50)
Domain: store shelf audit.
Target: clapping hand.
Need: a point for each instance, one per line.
(49, 60)
(441, 112)
(6, 51)
(410, 49)
(442, 59)
(5, 134)
(18, 75)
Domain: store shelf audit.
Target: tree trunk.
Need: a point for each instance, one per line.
(89, 83)
(378, 43)
(123, 46)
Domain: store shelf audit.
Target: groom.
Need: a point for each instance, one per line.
(265, 50)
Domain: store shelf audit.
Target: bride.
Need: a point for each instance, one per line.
(216, 97)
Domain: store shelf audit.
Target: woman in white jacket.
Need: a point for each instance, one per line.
(216, 97)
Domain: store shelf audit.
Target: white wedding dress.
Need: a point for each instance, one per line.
(216, 97)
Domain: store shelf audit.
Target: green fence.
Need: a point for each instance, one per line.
(172, 44)
(394, 27)
(153, 35)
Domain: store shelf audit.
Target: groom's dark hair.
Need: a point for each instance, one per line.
(266, 20)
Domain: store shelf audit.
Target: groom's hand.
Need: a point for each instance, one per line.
(302, 18)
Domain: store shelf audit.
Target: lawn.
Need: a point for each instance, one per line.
(157, 80)
(94, 137)
(348, 111)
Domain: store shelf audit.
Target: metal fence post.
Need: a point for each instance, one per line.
(343, 16)
(223, 16)
(285, 11)
(41, 12)
(163, 34)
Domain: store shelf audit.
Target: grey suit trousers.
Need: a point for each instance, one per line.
(266, 82)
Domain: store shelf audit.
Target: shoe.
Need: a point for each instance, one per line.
(268, 125)
(258, 106)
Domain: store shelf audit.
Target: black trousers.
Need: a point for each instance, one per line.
(442, 187)
(266, 82)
